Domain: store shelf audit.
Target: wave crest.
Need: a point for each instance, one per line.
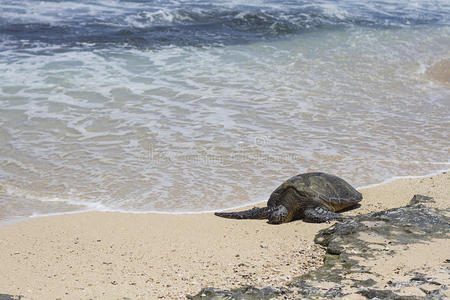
(199, 23)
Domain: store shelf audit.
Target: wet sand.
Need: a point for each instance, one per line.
(115, 255)
(440, 71)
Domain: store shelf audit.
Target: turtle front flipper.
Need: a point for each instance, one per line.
(320, 215)
(254, 213)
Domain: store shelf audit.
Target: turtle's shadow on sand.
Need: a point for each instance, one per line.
(357, 205)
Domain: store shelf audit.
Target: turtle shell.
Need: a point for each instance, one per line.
(334, 191)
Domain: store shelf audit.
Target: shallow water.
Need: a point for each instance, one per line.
(197, 105)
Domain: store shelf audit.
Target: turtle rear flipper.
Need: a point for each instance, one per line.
(254, 213)
(320, 215)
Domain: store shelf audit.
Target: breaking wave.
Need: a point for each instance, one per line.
(152, 24)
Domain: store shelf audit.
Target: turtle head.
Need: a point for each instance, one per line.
(279, 215)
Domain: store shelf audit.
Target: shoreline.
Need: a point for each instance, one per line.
(113, 255)
(243, 206)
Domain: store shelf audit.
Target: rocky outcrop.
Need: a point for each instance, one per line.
(247, 293)
(356, 248)
(7, 296)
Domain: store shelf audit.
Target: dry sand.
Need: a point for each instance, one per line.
(115, 255)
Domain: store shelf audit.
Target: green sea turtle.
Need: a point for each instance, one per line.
(313, 197)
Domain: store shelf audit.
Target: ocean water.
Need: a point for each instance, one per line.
(189, 106)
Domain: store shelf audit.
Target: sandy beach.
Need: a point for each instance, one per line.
(115, 255)
(124, 125)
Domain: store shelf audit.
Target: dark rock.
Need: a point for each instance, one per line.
(10, 297)
(386, 294)
(435, 294)
(425, 279)
(421, 199)
(247, 293)
(390, 295)
(401, 225)
(367, 282)
(309, 289)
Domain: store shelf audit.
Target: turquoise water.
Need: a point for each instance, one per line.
(195, 106)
